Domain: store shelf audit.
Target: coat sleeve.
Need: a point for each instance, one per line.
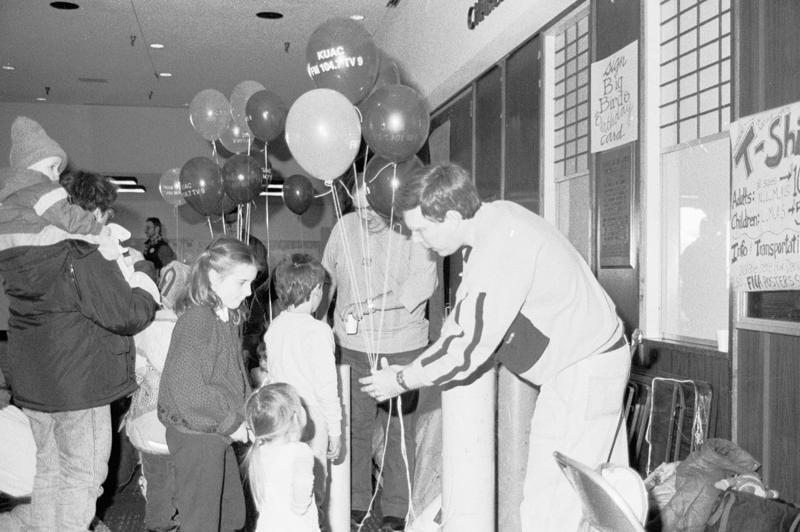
(486, 305)
(107, 299)
(50, 202)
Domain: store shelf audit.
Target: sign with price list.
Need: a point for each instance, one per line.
(765, 201)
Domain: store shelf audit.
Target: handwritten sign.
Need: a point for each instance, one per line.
(614, 191)
(765, 201)
(614, 96)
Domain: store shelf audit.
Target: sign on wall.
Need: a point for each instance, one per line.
(765, 201)
(614, 96)
(615, 208)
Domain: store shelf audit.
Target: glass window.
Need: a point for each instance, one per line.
(695, 168)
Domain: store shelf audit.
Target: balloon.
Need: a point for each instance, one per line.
(323, 133)
(209, 113)
(235, 139)
(201, 185)
(383, 178)
(242, 178)
(239, 96)
(342, 56)
(388, 74)
(396, 122)
(170, 187)
(266, 115)
(298, 193)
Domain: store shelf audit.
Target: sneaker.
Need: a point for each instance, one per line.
(356, 517)
(391, 523)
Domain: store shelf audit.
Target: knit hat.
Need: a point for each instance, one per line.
(30, 144)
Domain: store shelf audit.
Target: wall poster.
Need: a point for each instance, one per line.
(615, 175)
(765, 201)
(614, 97)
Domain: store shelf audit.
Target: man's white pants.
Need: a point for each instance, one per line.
(577, 414)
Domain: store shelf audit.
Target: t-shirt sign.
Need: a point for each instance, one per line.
(615, 95)
(765, 201)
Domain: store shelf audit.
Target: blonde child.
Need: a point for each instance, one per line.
(300, 351)
(204, 386)
(280, 467)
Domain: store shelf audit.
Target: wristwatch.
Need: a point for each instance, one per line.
(401, 380)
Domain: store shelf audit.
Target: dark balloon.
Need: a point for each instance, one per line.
(298, 193)
(342, 56)
(242, 178)
(201, 185)
(396, 122)
(266, 115)
(388, 74)
(383, 178)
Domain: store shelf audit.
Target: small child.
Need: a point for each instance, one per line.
(279, 465)
(300, 351)
(34, 208)
(204, 386)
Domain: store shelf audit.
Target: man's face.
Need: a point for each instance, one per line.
(48, 166)
(149, 230)
(442, 237)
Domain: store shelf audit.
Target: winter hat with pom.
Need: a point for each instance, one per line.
(30, 144)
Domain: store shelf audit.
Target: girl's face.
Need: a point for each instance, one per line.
(233, 286)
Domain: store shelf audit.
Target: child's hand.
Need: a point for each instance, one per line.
(334, 446)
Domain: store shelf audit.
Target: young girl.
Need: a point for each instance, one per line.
(280, 466)
(204, 386)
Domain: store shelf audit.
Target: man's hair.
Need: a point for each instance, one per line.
(296, 277)
(437, 189)
(157, 224)
(89, 191)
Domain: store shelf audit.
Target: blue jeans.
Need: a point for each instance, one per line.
(365, 418)
(72, 451)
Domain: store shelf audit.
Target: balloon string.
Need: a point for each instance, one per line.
(345, 240)
(384, 167)
(266, 225)
(388, 259)
(210, 229)
(366, 252)
(178, 235)
(323, 194)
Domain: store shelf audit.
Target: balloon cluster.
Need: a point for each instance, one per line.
(322, 129)
(359, 93)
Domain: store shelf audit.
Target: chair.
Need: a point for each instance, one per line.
(614, 498)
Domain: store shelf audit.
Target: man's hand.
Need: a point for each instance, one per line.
(334, 447)
(382, 383)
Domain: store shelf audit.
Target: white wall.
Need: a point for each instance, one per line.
(439, 54)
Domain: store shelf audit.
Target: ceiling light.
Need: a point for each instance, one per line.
(156, 46)
(64, 5)
(165, 74)
(40, 99)
(8, 67)
(357, 17)
(272, 15)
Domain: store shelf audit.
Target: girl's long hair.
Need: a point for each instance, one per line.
(221, 256)
(272, 412)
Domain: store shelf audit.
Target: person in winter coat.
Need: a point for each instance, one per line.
(70, 354)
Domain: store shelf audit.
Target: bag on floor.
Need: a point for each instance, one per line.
(739, 510)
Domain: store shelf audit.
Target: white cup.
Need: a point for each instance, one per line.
(350, 324)
(722, 340)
